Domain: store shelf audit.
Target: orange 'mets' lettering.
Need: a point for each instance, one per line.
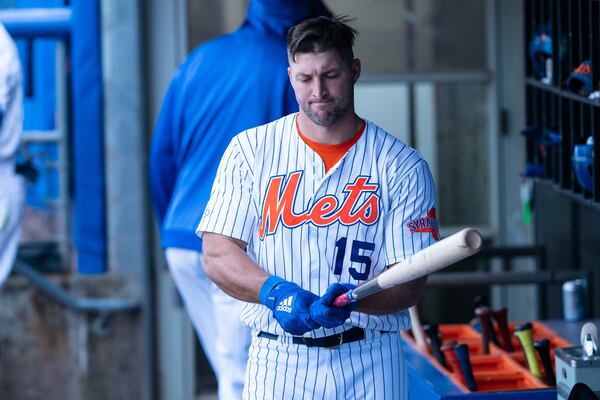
(279, 205)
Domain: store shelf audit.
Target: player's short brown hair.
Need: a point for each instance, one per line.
(321, 34)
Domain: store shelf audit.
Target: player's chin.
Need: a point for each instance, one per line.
(323, 118)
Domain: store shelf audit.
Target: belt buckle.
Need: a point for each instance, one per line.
(341, 341)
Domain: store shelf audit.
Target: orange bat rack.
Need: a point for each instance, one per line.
(498, 371)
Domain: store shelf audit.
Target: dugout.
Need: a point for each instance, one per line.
(455, 79)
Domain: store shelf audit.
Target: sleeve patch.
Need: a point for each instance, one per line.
(425, 224)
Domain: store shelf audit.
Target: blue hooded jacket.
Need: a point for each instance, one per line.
(226, 85)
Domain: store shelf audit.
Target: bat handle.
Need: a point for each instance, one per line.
(452, 360)
(543, 349)
(432, 331)
(417, 327)
(462, 353)
(525, 336)
(483, 315)
(344, 299)
(501, 317)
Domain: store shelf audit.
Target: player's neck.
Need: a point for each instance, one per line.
(340, 132)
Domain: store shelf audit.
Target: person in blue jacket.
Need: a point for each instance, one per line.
(223, 87)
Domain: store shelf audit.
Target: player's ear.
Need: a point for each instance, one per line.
(290, 77)
(355, 70)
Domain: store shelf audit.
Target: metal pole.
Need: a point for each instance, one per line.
(125, 147)
(461, 279)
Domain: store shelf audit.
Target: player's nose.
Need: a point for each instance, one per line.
(319, 89)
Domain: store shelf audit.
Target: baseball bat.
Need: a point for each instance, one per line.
(542, 347)
(452, 360)
(525, 335)
(417, 328)
(462, 353)
(501, 317)
(433, 258)
(480, 301)
(434, 338)
(484, 316)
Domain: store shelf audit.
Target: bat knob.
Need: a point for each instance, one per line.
(473, 239)
(524, 327)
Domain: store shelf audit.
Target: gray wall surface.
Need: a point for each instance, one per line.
(49, 352)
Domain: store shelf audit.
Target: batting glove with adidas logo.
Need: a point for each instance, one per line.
(290, 305)
(328, 315)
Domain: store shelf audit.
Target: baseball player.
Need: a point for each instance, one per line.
(224, 86)
(11, 126)
(306, 207)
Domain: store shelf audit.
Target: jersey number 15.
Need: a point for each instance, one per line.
(355, 256)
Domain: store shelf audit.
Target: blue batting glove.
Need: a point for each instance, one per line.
(290, 305)
(325, 313)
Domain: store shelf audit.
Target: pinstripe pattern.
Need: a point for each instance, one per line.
(280, 370)
(306, 252)
(268, 185)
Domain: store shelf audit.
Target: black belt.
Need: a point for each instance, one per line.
(351, 335)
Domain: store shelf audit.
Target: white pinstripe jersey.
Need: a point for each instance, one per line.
(375, 207)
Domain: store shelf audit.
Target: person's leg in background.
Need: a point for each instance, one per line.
(196, 292)
(216, 319)
(233, 340)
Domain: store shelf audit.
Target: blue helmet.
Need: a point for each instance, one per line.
(540, 49)
(583, 157)
(580, 80)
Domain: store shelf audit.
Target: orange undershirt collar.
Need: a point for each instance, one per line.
(331, 153)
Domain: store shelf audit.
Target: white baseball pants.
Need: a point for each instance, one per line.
(372, 368)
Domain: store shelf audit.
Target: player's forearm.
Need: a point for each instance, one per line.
(229, 267)
(393, 299)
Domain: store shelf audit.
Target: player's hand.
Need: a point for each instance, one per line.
(325, 313)
(290, 305)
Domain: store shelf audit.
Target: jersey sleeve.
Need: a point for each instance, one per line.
(230, 211)
(411, 224)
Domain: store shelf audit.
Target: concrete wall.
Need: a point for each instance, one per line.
(52, 353)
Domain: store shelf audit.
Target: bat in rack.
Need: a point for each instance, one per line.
(433, 258)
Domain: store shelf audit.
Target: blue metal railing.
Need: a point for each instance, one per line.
(37, 22)
(79, 26)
